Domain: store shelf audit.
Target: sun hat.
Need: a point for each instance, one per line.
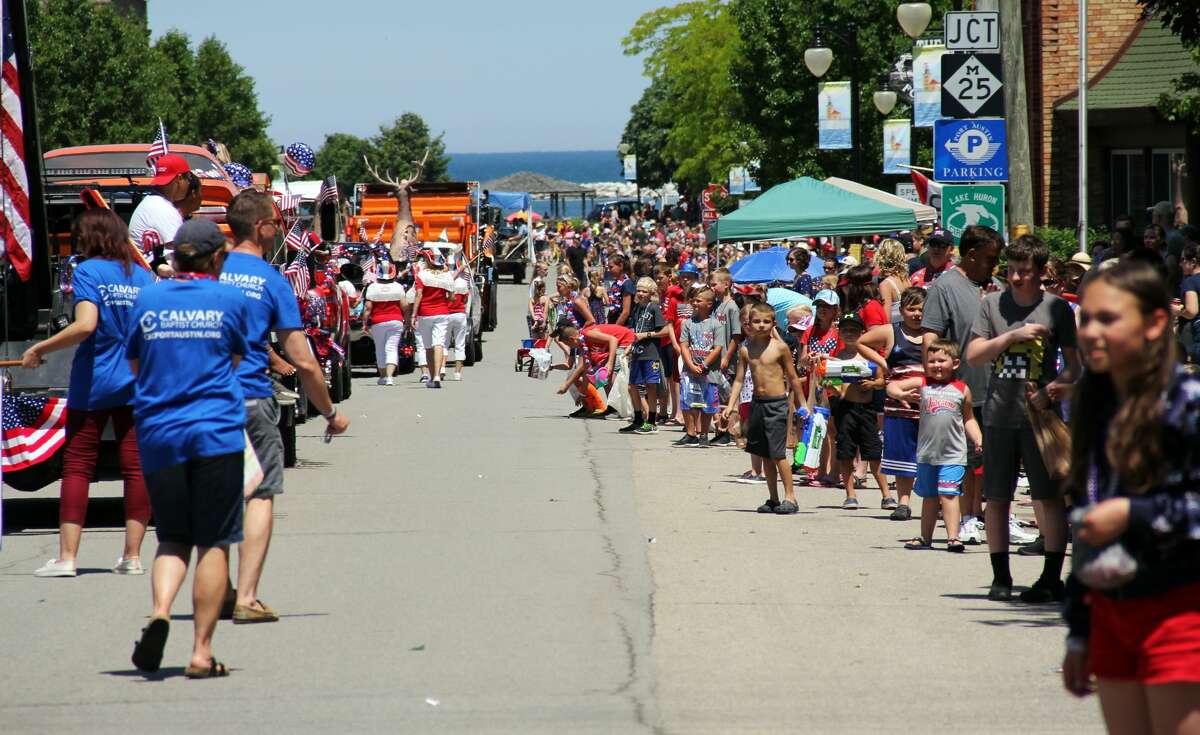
(1082, 261)
(827, 296)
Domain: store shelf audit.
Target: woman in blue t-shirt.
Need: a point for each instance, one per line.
(101, 390)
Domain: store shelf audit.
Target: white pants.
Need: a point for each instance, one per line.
(386, 336)
(459, 334)
(431, 332)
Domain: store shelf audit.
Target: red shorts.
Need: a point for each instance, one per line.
(744, 412)
(1152, 640)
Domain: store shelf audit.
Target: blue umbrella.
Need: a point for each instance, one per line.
(765, 266)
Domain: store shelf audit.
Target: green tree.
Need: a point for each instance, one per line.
(99, 80)
(227, 107)
(1182, 17)
(779, 95)
(646, 132)
(342, 156)
(397, 146)
(90, 67)
(689, 48)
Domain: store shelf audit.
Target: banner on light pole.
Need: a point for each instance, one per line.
(834, 115)
(897, 146)
(927, 85)
(630, 166)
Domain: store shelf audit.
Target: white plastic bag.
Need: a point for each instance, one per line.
(539, 366)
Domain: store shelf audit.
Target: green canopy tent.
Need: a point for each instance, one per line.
(806, 207)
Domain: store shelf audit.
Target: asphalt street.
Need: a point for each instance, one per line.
(469, 560)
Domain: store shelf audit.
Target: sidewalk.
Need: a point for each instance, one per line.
(821, 622)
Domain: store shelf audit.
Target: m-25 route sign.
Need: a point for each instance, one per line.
(970, 150)
(963, 206)
(972, 86)
(976, 31)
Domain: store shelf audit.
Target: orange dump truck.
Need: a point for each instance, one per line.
(442, 210)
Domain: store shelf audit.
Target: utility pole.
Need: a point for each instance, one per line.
(1016, 111)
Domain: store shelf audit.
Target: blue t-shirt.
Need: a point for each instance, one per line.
(187, 401)
(272, 306)
(100, 376)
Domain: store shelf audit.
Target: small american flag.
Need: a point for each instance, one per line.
(489, 241)
(379, 235)
(412, 250)
(297, 238)
(287, 202)
(329, 191)
(34, 427)
(158, 148)
(297, 274)
(369, 267)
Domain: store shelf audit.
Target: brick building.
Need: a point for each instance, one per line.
(1131, 61)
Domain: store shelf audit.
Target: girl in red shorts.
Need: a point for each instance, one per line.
(1133, 604)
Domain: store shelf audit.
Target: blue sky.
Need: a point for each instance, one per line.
(519, 76)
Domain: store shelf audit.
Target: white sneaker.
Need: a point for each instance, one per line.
(128, 566)
(56, 568)
(1022, 480)
(382, 381)
(970, 531)
(458, 376)
(1018, 535)
(389, 381)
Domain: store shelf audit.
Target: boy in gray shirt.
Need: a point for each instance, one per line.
(698, 390)
(1019, 331)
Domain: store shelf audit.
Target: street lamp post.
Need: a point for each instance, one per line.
(818, 60)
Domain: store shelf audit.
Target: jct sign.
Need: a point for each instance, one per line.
(970, 150)
(977, 31)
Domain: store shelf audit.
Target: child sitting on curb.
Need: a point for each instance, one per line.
(947, 423)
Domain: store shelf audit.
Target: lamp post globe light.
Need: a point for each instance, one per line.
(914, 18)
(818, 59)
(624, 149)
(885, 101)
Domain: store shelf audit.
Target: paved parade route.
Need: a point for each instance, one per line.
(468, 560)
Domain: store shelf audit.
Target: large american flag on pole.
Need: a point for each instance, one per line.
(158, 148)
(34, 427)
(16, 239)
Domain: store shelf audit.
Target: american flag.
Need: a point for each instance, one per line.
(379, 235)
(369, 267)
(299, 159)
(287, 202)
(158, 148)
(329, 191)
(489, 241)
(296, 274)
(16, 240)
(34, 427)
(297, 238)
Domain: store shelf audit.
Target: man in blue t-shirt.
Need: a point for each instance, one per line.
(271, 308)
(185, 339)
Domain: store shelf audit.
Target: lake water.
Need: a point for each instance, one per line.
(580, 167)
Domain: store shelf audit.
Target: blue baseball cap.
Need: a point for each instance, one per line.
(688, 268)
(827, 296)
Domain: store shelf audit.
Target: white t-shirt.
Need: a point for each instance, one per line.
(348, 288)
(154, 223)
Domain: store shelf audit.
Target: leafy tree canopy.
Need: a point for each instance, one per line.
(1182, 17)
(115, 87)
(647, 134)
(394, 148)
(688, 50)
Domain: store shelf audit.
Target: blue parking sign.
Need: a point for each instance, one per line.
(970, 150)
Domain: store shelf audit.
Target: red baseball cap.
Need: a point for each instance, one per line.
(167, 167)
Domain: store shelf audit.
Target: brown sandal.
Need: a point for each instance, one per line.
(212, 671)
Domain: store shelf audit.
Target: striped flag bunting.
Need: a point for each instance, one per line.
(158, 148)
(16, 239)
(329, 191)
(34, 427)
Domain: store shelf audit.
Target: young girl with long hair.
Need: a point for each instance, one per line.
(105, 286)
(892, 262)
(1133, 596)
(538, 304)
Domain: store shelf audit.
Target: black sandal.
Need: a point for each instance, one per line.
(955, 546)
(213, 670)
(148, 652)
(919, 544)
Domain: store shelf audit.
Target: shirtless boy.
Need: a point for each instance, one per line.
(771, 367)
